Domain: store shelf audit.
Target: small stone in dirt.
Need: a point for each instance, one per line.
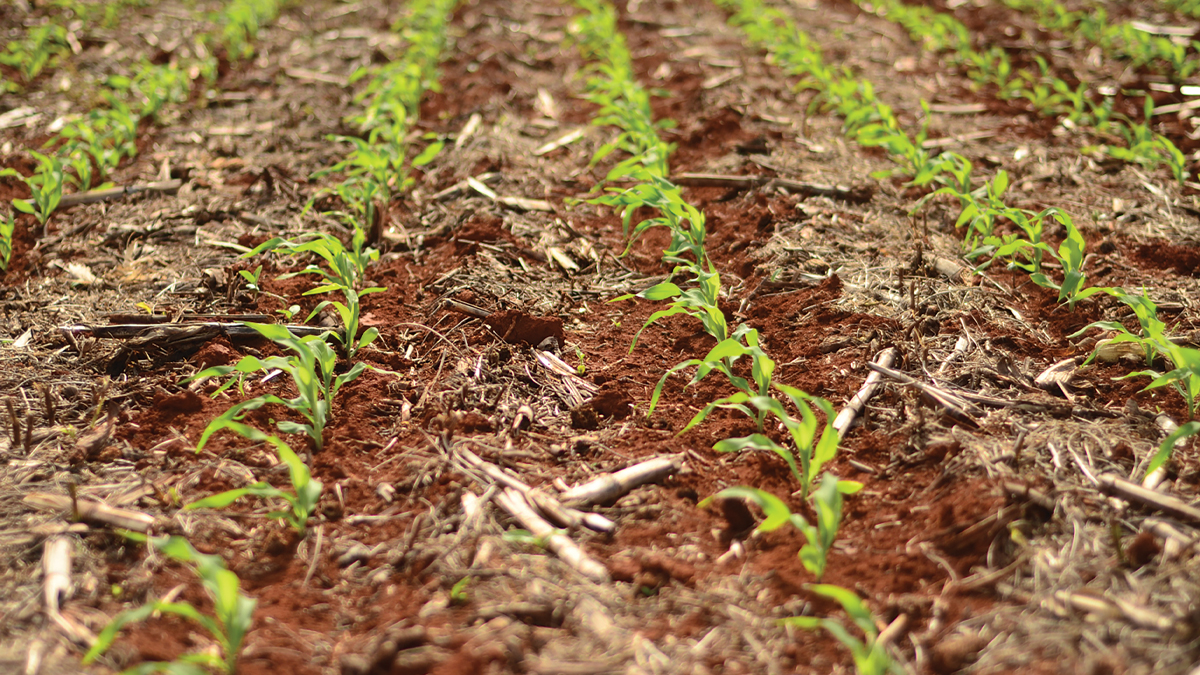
(1142, 549)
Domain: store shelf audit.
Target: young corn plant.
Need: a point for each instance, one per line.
(1184, 377)
(43, 46)
(1143, 146)
(1167, 447)
(8, 227)
(232, 615)
(1153, 329)
(870, 657)
(312, 370)
(301, 501)
(827, 502)
(815, 444)
(346, 273)
(623, 102)
(1069, 254)
(45, 186)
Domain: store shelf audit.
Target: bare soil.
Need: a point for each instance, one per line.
(395, 575)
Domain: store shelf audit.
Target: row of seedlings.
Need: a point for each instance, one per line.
(393, 92)
(1046, 93)
(982, 208)
(625, 104)
(88, 148)
(1136, 42)
(50, 43)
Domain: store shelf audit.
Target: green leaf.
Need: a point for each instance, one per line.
(221, 499)
(660, 291)
(428, 154)
(1168, 445)
(776, 512)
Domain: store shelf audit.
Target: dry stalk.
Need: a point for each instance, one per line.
(56, 572)
(1115, 485)
(92, 511)
(853, 409)
(609, 487)
(560, 544)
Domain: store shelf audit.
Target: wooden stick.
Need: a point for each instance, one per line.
(856, 193)
(113, 193)
(93, 511)
(462, 186)
(123, 331)
(845, 418)
(465, 308)
(560, 544)
(1126, 489)
(609, 487)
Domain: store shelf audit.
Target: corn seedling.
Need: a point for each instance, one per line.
(827, 502)
(232, 615)
(240, 22)
(346, 273)
(347, 267)
(8, 226)
(1185, 375)
(43, 46)
(870, 657)
(312, 372)
(812, 449)
(1167, 447)
(301, 501)
(1153, 330)
(45, 186)
(623, 102)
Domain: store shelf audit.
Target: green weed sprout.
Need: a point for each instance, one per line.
(232, 614)
(312, 371)
(302, 501)
(870, 657)
(827, 501)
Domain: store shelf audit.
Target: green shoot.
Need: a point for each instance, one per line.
(1152, 328)
(8, 226)
(870, 657)
(827, 501)
(232, 614)
(312, 370)
(302, 501)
